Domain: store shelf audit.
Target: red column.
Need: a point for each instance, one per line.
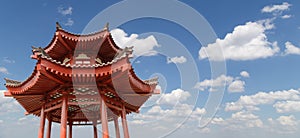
(124, 123)
(95, 129)
(42, 122)
(64, 116)
(117, 127)
(70, 129)
(49, 127)
(104, 120)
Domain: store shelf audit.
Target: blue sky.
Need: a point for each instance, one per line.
(252, 57)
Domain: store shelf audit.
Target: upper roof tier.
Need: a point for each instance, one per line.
(66, 46)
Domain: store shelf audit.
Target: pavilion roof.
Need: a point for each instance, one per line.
(64, 43)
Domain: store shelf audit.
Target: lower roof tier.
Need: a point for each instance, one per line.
(115, 82)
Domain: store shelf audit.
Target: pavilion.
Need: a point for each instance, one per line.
(81, 79)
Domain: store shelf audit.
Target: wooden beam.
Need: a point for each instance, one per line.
(46, 105)
(27, 95)
(54, 90)
(50, 76)
(137, 94)
(82, 103)
(97, 96)
(53, 107)
(64, 43)
(114, 76)
(8, 94)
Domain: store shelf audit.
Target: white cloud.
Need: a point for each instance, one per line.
(220, 81)
(170, 111)
(286, 16)
(283, 125)
(246, 42)
(218, 120)
(252, 101)
(199, 111)
(2, 98)
(174, 97)
(7, 104)
(177, 60)
(233, 106)
(175, 114)
(239, 120)
(249, 119)
(276, 8)
(137, 62)
(234, 84)
(142, 46)
(245, 74)
(3, 70)
(291, 49)
(7, 60)
(27, 120)
(69, 22)
(65, 11)
(287, 120)
(237, 86)
(287, 106)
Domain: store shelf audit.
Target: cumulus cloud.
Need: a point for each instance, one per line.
(291, 49)
(287, 120)
(245, 74)
(283, 124)
(250, 102)
(4, 70)
(276, 8)
(246, 42)
(244, 120)
(239, 120)
(287, 106)
(218, 120)
(174, 97)
(65, 11)
(7, 104)
(142, 46)
(27, 120)
(286, 16)
(236, 86)
(177, 60)
(212, 85)
(171, 108)
(174, 114)
(250, 120)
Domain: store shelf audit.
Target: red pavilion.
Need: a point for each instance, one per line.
(81, 80)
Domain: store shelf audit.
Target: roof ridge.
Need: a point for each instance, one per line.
(105, 29)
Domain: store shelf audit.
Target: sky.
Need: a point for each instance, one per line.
(226, 68)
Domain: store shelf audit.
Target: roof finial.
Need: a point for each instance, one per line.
(106, 26)
(58, 26)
